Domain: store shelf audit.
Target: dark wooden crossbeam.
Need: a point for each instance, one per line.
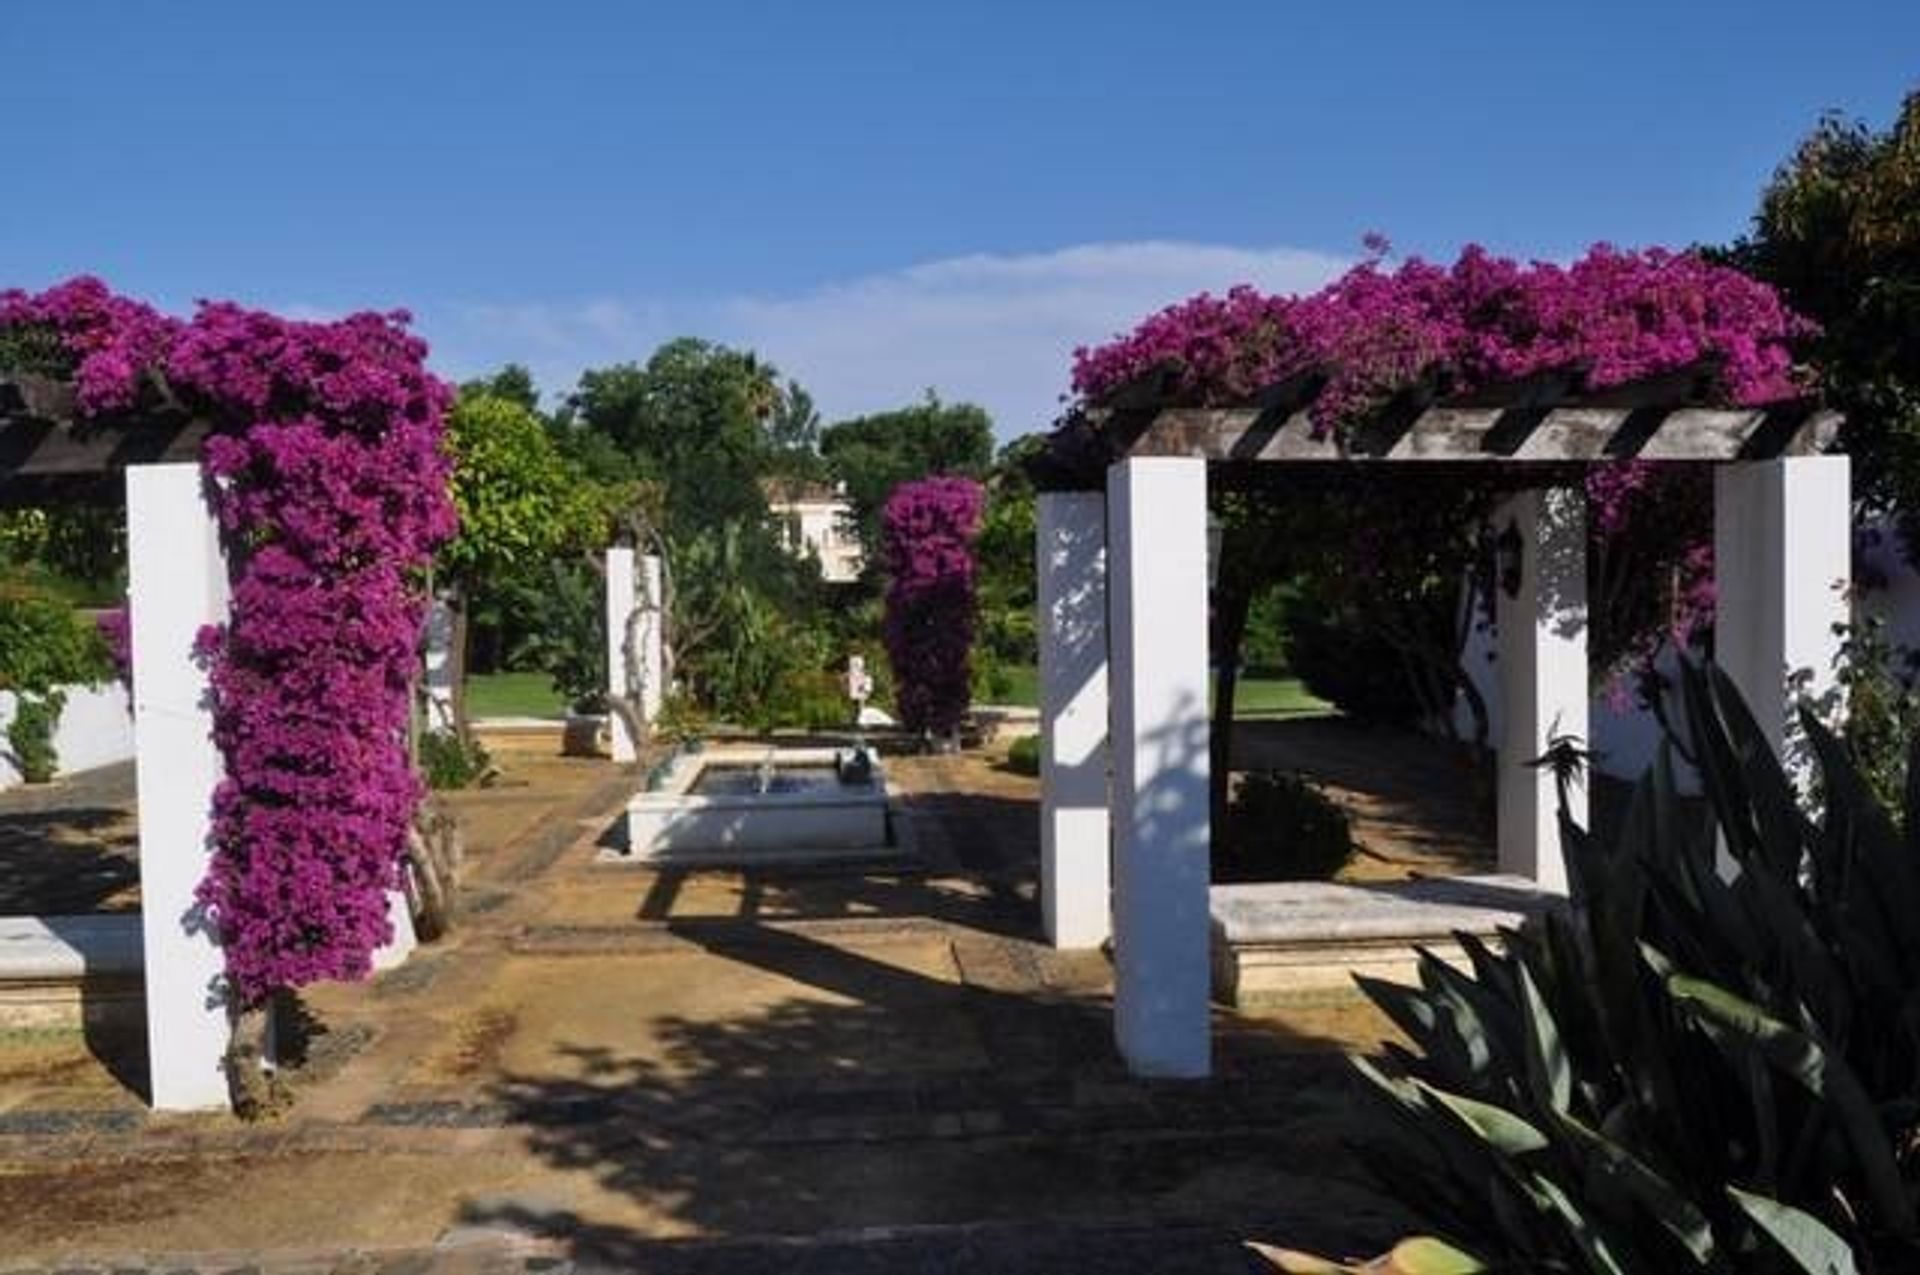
(1545, 420)
(47, 457)
(1542, 435)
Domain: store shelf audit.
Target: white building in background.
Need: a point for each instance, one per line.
(818, 519)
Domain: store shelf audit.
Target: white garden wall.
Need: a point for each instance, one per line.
(95, 730)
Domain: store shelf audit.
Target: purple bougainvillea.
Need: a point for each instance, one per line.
(1613, 316)
(1609, 318)
(330, 483)
(928, 529)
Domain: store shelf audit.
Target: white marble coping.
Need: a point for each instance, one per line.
(44, 947)
(685, 769)
(1410, 911)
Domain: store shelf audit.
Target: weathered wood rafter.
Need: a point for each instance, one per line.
(1541, 421)
(49, 457)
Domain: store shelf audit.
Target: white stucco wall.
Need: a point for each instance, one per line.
(96, 729)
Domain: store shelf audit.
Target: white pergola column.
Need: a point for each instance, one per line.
(620, 597)
(1542, 627)
(1157, 601)
(1782, 545)
(394, 953)
(177, 583)
(1075, 834)
(650, 637)
(438, 682)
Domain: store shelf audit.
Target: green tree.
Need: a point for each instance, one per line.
(520, 502)
(698, 419)
(512, 382)
(874, 454)
(1838, 232)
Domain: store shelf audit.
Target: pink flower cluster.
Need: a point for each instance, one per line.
(928, 530)
(331, 485)
(111, 339)
(1613, 316)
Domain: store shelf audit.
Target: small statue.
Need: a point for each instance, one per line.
(859, 683)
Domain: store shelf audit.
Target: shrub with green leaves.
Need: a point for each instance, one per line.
(44, 646)
(1023, 755)
(450, 761)
(1279, 827)
(1709, 1061)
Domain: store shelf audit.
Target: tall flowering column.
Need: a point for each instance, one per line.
(329, 480)
(928, 529)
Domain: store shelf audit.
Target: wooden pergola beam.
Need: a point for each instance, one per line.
(1580, 435)
(48, 457)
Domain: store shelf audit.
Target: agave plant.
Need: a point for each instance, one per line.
(1709, 1060)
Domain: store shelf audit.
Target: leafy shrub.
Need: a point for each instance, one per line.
(568, 641)
(43, 645)
(1685, 1070)
(1023, 756)
(681, 721)
(1350, 666)
(449, 761)
(30, 735)
(811, 699)
(1279, 827)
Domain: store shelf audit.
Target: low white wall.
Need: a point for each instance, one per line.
(96, 729)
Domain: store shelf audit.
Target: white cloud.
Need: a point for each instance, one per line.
(998, 330)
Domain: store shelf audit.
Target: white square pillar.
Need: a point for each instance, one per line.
(1782, 546)
(439, 666)
(1070, 540)
(1541, 617)
(394, 952)
(1157, 601)
(650, 636)
(177, 583)
(620, 598)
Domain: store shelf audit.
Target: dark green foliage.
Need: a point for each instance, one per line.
(1023, 755)
(1351, 666)
(874, 454)
(1279, 827)
(30, 735)
(567, 639)
(44, 645)
(1681, 1071)
(448, 761)
(1838, 233)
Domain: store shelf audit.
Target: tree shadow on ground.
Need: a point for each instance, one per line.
(1415, 804)
(68, 861)
(888, 1098)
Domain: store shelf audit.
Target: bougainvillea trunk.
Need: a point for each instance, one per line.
(928, 530)
(331, 486)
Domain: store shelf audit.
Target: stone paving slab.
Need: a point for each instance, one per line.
(1396, 911)
(44, 947)
(1113, 1248)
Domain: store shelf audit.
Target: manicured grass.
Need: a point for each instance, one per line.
(1259, 694)
(1023, 687)
(1276, 697)
(513, 695)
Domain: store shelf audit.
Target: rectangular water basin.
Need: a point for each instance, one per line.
(711, 809)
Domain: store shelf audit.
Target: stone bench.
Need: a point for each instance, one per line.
(1305, 940)
(69, 971)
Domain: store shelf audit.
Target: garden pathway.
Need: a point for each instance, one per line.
(703, 1072)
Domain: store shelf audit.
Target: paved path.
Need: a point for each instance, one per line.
(614, 1068)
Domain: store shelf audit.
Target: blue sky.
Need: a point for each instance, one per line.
(881, 197)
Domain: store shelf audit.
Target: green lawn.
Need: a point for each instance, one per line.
(513, 695)
(1260, 694)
